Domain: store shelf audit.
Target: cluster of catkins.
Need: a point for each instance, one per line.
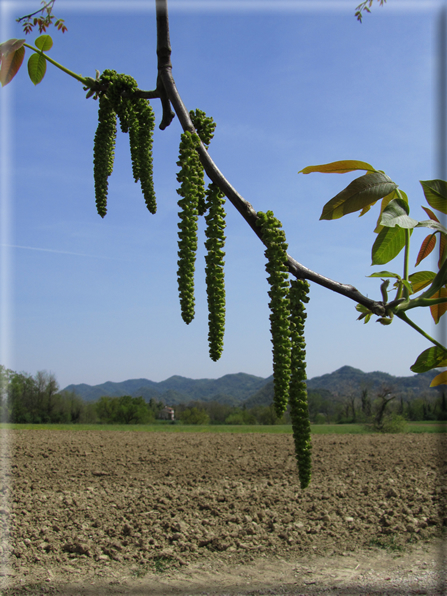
(196, 201)
(137, 118)
(286, 301)
(287, 317)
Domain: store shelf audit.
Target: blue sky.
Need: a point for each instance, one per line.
(289, 85)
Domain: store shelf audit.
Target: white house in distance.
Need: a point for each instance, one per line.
(166, 413)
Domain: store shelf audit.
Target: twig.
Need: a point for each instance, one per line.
(166, 81)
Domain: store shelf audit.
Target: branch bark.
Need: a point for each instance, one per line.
(170, 95)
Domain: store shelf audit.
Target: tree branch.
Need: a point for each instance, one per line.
(166, 81)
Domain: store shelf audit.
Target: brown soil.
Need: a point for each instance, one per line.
(176, 513)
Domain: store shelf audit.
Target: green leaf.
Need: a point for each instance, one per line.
(435, 192)
(11, 63)
(338, 167)
(385, 274)
(365, 313)
(37, 67)
(362, 191)
(387, 245)
(392, 195)
(384, 321)
(44, 43)
(431, 358)
(396, 214)
(439, 281)
(433, 225)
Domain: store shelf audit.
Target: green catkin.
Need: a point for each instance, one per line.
(276, 254)
(146, 124)
(299, 412)
(103, 152)
(136, 117)
(205, 127)
(189, 177)
(215, 281)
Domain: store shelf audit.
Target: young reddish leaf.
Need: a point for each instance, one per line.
(440, 379)
(427, 247)
(430, 214)
(338, 167)
(44, 43)
(442, 249)
(10, 65)
(429, 359)
(37, 67)
(421, 280)
(437, 310)
(11, 45)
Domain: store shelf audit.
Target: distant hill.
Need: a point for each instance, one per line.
(241, 388)
(347, 380)
(230, 389)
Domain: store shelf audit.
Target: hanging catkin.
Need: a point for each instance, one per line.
(299, 412)
(137, 118)
(215, 279)
(276, 254)
(190, 178)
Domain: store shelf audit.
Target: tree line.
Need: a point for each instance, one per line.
(38, 400)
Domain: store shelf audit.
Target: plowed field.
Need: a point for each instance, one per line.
(117, 512)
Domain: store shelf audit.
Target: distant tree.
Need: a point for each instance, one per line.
(194, 415)
(442, 415)
(366, 404)
(384, 397)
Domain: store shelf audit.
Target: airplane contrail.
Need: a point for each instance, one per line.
(61, 252)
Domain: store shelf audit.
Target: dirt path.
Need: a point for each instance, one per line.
(164, 513)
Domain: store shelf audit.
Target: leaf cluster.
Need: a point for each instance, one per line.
(43, 21)
(393, 231)
(365, 7)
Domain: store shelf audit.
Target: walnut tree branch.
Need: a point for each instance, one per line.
(166, 80)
